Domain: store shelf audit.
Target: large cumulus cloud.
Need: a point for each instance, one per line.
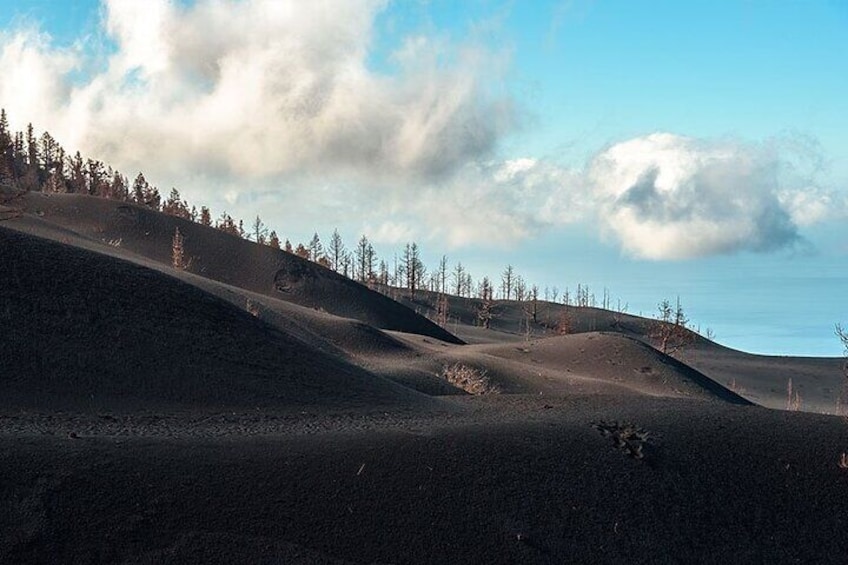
(256, 89)
(665, 196)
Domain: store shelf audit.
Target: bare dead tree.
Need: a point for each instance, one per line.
(842, 334)
(507, 282)
(520, 288)
(259, 231)
(669, 332)
(534, 303)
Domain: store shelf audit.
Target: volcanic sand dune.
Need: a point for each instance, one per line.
(149, 415)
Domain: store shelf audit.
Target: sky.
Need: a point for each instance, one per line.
(658, 149)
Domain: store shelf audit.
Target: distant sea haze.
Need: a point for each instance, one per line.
(783, 307)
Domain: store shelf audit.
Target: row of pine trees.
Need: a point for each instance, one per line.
(29, 162)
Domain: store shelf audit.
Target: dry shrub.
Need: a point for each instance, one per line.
(253, 308)
(177, 251)
(629, 438)
(843, 461)
(469, 379)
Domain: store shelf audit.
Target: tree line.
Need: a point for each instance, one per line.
(31, 162)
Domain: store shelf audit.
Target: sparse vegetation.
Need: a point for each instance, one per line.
(793, 398)
(469, 379)
(32, 163)
(253, 308)
(669, 332)
(736, 387)
(177, 251)
(629, 438)
(484, 313)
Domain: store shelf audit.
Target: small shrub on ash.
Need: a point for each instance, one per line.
(626, 437)
(469, 379)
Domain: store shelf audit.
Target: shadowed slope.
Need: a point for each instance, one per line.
(86, 330)
(532, 481)
(229, 259)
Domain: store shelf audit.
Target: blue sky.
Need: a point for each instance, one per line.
(654, 148)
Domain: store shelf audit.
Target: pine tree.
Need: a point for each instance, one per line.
(56, 181)
(260, 232)
(19, 162)
(383, 277)
(175, 206)
(413, 268)
(364, 260)
(670, 331)
(227, 225)
(484, 312)
(139, 188)
(95, 178)
(205, 216)
(49, 152)
(337, 250)
(273, 240)
(31, 172)
(76, 179)
(177, 251)
(459, 279)
(316, 249)
(7, 156)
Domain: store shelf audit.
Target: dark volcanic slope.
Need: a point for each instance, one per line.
(620, 359)
(533, 482)
(81, 330)
(229, 259)
(763, 379)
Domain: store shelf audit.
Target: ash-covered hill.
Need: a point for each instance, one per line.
(88, 331)
(226, 258)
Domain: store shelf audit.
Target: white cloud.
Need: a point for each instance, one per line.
(391, 232)
(257, 89)
(664, 196)
(270, 107)
(500, 202)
